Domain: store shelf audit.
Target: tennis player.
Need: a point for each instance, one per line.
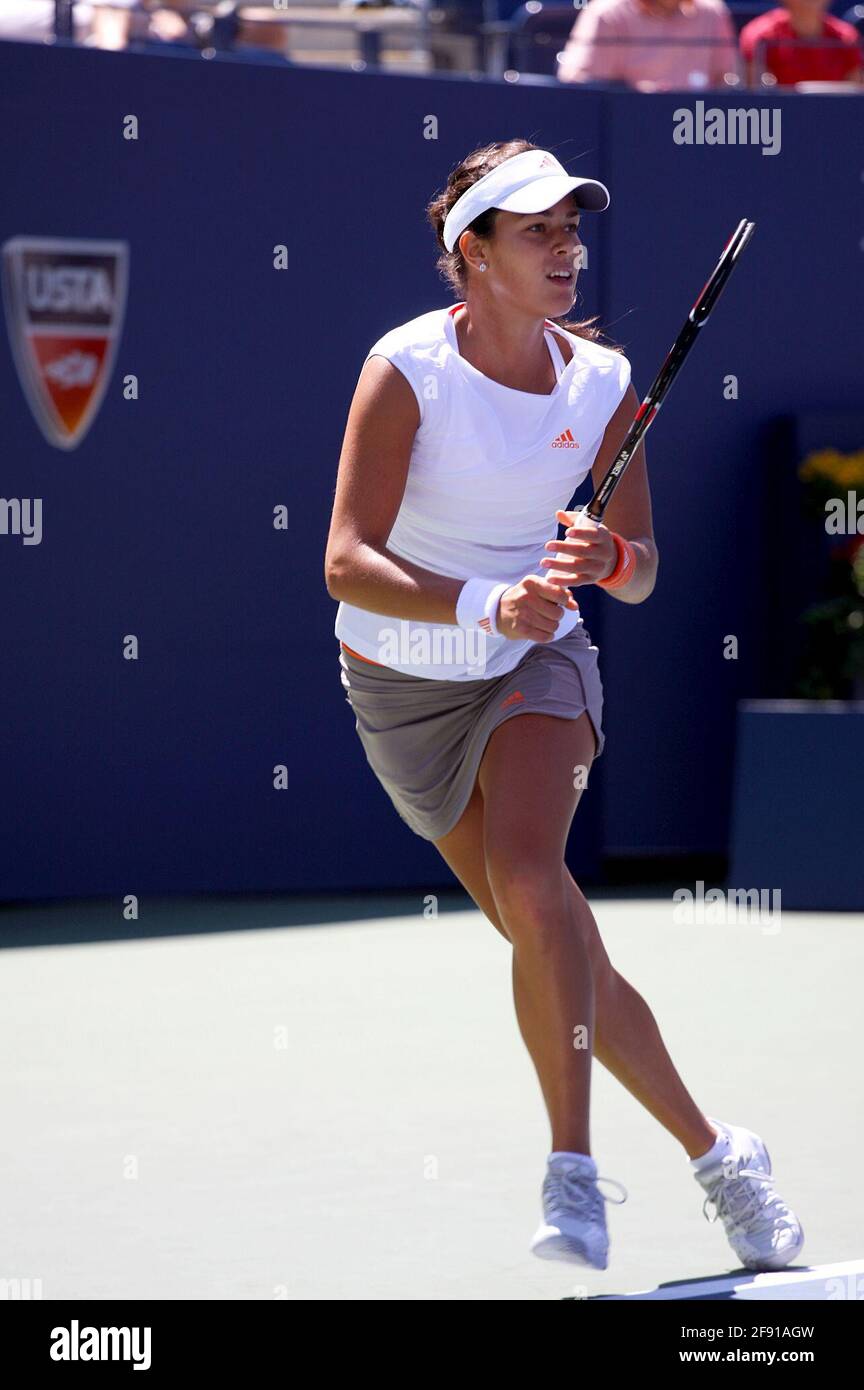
(472, 677)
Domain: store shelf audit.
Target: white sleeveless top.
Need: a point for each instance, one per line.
(489, 468)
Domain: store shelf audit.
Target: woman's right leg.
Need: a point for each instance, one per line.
(627, 1040)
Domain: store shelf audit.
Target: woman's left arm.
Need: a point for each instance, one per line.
(589, 555)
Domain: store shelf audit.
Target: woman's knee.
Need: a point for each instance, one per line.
(527, 894)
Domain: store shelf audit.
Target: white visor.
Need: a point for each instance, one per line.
(529, 182)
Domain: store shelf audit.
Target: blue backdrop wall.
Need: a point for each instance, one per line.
(157, 774)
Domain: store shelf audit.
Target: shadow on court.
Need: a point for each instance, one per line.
(61, 922)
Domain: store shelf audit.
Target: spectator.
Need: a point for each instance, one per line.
(623, 41)
(855, 17)
(138, 21)
(769, 43)
(33, 20)
(97, 23)
(115, 24)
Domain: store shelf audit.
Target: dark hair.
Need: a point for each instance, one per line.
(451, 265)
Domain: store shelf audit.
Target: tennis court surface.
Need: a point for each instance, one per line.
(273, 1098)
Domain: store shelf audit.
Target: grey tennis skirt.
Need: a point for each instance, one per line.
(424, 739)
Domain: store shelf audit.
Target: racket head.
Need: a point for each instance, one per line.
(595, 509)
(726, 264)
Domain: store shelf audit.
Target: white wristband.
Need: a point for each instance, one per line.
(477, 604)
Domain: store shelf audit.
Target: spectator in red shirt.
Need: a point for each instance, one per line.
(771, 43)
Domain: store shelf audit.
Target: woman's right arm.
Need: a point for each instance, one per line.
(358, 567)
(373, 467)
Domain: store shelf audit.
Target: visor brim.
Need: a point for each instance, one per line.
(544, 193)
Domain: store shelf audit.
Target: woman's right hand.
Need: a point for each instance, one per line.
(532, 609)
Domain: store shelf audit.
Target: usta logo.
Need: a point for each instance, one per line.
(79, 288)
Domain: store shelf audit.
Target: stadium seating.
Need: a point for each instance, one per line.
(537, 32)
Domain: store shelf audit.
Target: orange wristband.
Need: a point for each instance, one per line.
(626, 566)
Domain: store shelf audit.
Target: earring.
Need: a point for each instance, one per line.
(482, 265)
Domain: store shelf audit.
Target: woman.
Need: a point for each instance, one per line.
(469, 669)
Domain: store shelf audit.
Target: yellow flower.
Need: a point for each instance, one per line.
(846, 470)
(817, 464)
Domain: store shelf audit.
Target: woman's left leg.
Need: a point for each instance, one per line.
(627, 1040)
(624, 1034)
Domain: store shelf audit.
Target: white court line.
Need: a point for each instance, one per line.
(828, 1283)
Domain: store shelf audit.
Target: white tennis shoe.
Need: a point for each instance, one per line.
(762, 1230)
(574, 1213)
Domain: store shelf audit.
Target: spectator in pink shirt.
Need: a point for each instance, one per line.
(654, 45)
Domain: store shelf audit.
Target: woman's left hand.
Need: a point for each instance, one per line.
(587, 552)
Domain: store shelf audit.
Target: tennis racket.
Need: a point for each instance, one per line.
(675, 359)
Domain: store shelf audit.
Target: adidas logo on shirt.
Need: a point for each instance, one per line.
(565, 441)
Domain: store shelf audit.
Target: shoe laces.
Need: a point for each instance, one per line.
(578, 1189)
(742, 1195)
